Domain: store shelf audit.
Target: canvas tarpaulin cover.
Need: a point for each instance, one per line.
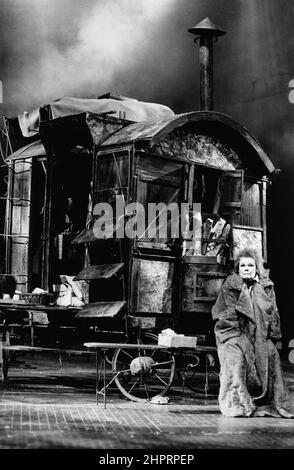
(128, 108)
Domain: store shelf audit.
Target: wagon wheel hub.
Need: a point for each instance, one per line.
(143, 366)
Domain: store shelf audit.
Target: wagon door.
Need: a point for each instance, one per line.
(242, 203)
(155, 283)
(231, 190)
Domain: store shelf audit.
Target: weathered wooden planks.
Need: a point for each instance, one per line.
(101, 309)
(20, 208)
(102, 271)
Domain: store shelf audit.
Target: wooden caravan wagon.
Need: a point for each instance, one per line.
(57, 183)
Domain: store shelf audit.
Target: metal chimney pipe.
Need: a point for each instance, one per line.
(206, 72)
(208, 32)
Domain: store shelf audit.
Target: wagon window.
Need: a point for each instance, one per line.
(155, 192)
(111, 174)
(251, 208)
(231, 190)
(206, 189)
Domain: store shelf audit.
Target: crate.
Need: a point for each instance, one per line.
(37, 299)
(177, 341)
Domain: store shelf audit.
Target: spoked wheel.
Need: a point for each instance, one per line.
(143, 375)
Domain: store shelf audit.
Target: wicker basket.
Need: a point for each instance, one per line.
(37, 299)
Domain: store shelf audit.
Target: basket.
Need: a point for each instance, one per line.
(37, 299)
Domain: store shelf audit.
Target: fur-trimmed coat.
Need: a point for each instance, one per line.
(247, 326)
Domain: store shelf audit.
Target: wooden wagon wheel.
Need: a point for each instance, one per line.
(143, 375)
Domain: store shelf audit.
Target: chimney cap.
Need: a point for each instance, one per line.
(206, 26)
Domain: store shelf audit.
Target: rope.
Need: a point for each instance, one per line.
(158, 215)
(119, 178)
(2, 154)
(206, 376)
(7, 134)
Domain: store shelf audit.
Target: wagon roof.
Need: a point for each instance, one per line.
(154, 130)
(33, 149)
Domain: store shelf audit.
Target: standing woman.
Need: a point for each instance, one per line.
(246, 330)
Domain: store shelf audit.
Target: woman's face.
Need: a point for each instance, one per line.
(247, 268)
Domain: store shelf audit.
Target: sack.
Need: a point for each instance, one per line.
(70, 293)
(64, 298)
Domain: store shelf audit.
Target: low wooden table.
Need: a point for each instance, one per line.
(9, 307)
(102, 348)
